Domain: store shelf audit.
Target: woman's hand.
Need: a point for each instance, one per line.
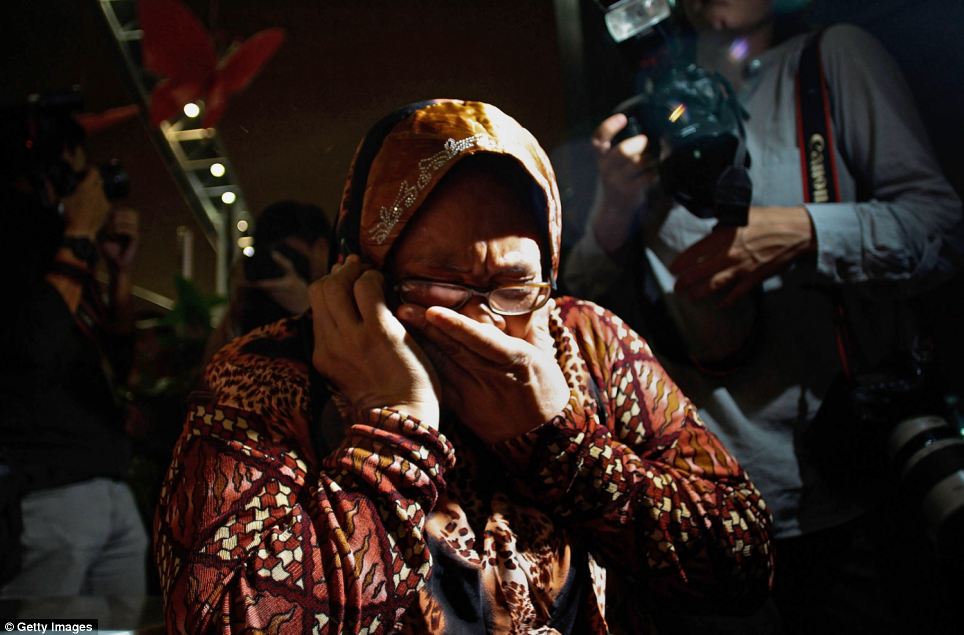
(736, 259)
(364, 350)
(289, 291)
(499, 386)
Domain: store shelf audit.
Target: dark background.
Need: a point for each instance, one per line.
(345, 63)
(293, 132)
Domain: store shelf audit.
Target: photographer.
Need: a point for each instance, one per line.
(292, 242)
(65, 352)
(751, 306)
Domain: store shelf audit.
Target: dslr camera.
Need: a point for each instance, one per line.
(691, 116)
(35, 134)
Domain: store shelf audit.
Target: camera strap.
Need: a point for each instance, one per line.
(821, 183)
(818, 164)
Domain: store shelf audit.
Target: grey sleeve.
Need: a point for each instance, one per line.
(909, 230)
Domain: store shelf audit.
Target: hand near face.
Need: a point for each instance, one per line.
(500, 386)
(365, 350)
(733, 260)
(289, 290)
(121, 238)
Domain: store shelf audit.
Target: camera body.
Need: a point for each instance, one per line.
(35, 134)
(694, 124)
(691, 116)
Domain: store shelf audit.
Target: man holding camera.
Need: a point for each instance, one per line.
(744, 316)
(63, 447)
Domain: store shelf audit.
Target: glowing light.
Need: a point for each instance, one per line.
(228, 197)
(218, 169)
(246, 241)
(739, 49)
(192, 110)
(678, 112)
(242, 225)
(248, 251)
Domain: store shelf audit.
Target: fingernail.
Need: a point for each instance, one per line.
(440, 316)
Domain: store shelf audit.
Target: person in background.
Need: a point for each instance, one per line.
(292, 241)
(65, 351)
(752, 304)
(439, 446)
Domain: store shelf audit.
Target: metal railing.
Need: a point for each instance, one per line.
(194, 154)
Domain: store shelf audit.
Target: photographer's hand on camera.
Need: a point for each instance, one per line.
(289, 290)
(363, 348)
(731, 261)
(626, 173)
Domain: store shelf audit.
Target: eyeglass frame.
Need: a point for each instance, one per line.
(475, 292)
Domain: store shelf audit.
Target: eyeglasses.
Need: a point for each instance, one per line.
(514, 299)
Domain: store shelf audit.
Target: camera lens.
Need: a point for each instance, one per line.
(930, 456)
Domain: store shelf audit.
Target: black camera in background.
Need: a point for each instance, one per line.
(922, 35)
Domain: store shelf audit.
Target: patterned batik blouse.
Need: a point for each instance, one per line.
(622, 506)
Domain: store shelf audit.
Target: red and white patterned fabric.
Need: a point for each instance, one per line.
(622, 505)
(255, 532)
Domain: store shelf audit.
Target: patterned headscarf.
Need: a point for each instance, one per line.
(406, 154)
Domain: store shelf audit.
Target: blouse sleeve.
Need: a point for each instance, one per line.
(655, 493)
(252, 534)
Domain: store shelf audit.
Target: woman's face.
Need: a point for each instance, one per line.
(473, 230)
(737, 16)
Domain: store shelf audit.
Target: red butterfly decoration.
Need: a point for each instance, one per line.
(95, 123)
(177, 46)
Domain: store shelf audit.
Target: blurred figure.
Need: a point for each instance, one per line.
(751, 337)
(65, 353)
(292, 241)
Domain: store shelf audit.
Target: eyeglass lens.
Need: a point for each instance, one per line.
(515, 299)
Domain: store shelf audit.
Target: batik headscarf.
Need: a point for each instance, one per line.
(406, 154)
